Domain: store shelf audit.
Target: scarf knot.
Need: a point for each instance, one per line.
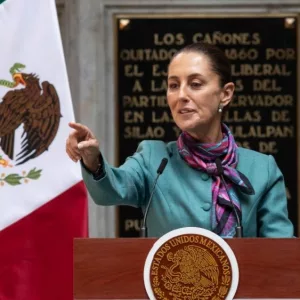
(211, 169)
(202, 157)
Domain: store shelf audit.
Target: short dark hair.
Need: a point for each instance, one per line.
(219, 62)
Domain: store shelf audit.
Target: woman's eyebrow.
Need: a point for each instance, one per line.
(191, 75)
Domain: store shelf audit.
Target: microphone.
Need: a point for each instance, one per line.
(239, 227)
(144, 230)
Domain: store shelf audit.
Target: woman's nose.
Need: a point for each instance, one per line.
(182, 95)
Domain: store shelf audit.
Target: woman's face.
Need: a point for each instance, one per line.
(194, 94)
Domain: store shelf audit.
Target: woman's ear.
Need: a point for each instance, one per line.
(227, 94)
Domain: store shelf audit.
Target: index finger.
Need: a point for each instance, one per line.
(77, 126)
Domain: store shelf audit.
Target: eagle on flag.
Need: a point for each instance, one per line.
(35, 106)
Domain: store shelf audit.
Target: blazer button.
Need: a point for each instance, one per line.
(204, 176)
(206, 206)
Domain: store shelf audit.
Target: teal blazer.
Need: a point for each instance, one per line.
(183, 195)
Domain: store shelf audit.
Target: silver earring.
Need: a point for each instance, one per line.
(220, 109)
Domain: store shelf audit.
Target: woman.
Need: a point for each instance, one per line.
(190, 192)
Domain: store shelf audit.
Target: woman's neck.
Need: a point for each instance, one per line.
(208, 136)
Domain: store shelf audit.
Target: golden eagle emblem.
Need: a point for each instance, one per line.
(35, 106)
(195, 267)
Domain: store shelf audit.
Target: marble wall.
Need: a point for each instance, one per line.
(88, 38)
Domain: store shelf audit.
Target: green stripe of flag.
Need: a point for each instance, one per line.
(1, 1)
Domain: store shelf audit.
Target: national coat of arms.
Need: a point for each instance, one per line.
(36, 107)
(190, 264)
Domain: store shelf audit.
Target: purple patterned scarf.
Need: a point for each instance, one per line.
(202, 157)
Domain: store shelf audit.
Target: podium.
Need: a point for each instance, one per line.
(113, 268)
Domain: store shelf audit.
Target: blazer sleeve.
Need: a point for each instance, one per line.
(125, 185)
(273, 218)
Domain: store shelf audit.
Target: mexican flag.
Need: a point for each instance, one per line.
(43, 201)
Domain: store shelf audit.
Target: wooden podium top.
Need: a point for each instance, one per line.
(113, 268)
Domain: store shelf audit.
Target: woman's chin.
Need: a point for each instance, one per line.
(189, 126)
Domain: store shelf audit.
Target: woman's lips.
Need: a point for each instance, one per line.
(186, 111)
